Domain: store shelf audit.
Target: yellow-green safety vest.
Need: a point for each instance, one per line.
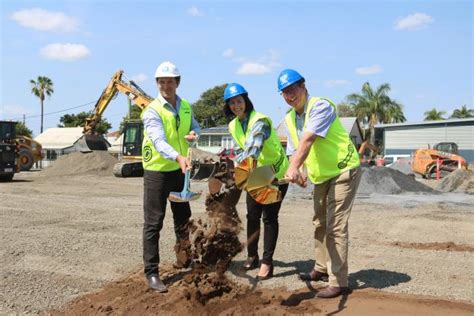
(329, 156)
(175, 131)
(272, 152)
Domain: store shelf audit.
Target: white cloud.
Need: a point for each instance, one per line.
(335, 83)
(139, 78)
(253, 68)
(413, 22)
(228, 53)
(43, 20)
(369, 70)
(260, 66)
(194, 11)
(65, 52)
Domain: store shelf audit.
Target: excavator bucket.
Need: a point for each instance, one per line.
(88, 143)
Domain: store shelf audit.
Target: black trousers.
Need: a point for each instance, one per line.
(270, 224)
(157, 187)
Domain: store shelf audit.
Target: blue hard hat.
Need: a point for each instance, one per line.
(233, 90)
(288, 77)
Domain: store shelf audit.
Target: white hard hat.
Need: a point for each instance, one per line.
(167, 69)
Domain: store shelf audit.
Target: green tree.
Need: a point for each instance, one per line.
(75, 120)
(375, 106)
(42, 87)
(345, 110)
(463, 112)
(434, 115)
(22, 129)
(208, 110)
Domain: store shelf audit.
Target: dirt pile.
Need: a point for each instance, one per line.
(130, 296)
(77, 163)
(384, 180)
(460, 180)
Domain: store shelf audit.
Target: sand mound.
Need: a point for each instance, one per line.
(403, 165)
(77, 163)
(378, 180)
(384, 180)
(460, 180)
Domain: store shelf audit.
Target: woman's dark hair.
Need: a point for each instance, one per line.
(248, 106)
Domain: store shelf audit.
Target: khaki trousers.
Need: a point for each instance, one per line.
(333, 201)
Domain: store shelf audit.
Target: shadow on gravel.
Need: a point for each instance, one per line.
(377, 279)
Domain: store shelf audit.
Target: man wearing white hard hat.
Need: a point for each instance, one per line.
(170, 126)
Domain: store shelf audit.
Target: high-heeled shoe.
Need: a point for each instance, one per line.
(268, 276)
(251, 263)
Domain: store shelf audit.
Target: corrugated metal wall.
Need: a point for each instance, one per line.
(406, 139)
(421, 136)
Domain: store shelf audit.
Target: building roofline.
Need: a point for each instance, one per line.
(442, 122)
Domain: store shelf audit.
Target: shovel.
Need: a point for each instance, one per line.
(186, 195)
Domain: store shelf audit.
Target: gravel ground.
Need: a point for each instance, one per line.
(65, 236)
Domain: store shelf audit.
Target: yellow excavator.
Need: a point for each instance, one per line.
(130, 164)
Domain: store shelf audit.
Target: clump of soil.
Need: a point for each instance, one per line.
(78, 163)
(460, 180)
(446, 246)
(384, 180)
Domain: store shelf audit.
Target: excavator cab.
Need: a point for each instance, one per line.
(132, 140)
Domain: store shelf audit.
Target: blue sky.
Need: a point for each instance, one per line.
(423, 49)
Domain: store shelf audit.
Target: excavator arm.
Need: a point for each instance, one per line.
(92, 141)
(116, 85)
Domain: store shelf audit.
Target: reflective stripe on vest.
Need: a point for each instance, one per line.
(329, 156)
(175, 131)
(272, 152)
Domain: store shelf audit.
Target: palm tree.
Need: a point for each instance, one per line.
(434, 115)
(344, 110)
(41, 88)
(375, 106)
(463, 112)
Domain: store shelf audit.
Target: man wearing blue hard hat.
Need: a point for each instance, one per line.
(317, 140)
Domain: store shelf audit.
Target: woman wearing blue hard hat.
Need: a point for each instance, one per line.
(254, 134)
(317, 139)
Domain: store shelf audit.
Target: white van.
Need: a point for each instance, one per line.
(391, 159)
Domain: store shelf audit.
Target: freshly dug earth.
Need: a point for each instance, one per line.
(131, 297)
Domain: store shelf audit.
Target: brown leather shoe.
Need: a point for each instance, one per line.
(314, 275)
(251, 263)
(332, 291)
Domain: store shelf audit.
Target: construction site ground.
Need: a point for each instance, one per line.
(71, 245)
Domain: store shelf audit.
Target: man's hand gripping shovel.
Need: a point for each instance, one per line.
(186, 195)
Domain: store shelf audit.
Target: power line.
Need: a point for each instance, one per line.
(50, 113)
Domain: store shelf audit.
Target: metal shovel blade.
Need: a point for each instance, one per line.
(181, 197)
(186, 195)
(260, 177)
